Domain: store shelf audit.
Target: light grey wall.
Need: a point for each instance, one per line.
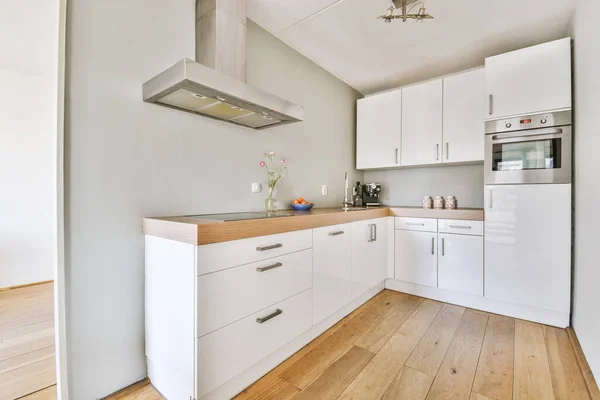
(126, 159)
(407, 187)
(28, 70)
(586, 33)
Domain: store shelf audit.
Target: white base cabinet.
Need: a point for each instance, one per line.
(460, 263)
(416, 257)
(369, 254)
(332, 269)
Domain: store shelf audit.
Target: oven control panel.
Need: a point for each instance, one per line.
(528, 122)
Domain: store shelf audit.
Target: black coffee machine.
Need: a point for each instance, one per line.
(371, 194)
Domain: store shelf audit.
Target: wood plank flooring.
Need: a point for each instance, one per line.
(398, 346)
(27, 356)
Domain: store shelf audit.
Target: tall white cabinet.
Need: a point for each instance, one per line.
(464, 126)
(530, 80)
(378, 130)
(422, 123)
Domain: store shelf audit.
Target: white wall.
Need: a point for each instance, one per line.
(126, 159)
(407, 187)
(28, 68)
(586, 34)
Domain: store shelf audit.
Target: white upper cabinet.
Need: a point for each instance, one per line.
(531, 80)
(464, 124)
(422, 123)
(378, 130)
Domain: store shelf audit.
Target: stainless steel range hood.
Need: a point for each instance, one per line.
(216, 87)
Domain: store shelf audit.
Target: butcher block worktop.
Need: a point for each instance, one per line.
(205, 229)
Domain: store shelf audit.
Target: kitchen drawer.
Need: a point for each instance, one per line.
(219, 256)
(227, 296)
(225, 353)
(460, 227)
(417, 224)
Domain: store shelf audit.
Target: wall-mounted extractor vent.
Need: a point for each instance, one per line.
(216, 88)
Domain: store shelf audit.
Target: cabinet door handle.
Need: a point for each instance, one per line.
(437, 152)
(414, 224)
(268, 317)
(490, 199)
(459, 227)
(432, 245)
(373, 237)
(447, 149)
(266, 248)
(269, 267)
(397, 155)
(491, 104)
(443, 246)
(336, 233)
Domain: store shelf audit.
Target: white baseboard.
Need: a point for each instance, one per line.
(540, 315)
(254, 373)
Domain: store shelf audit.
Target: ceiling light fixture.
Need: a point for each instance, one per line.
(406, 15)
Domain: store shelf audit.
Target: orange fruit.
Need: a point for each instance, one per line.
(295, 202)
(300, 199)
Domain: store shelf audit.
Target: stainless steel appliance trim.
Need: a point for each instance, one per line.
(336, 233)
(266, 248)
(459, 226)
(539, 120)
(269, 267)
(540, 176)
(270, 316)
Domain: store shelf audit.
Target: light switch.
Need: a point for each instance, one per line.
(324, 190)
(256, 187)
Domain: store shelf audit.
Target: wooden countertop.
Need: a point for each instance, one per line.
(201, 230)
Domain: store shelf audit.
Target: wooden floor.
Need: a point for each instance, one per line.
(398, 346)
(27, 362)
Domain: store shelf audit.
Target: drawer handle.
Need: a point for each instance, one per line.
(268, 317)
(414, 224)
(275, 246)
(432, 245)
(336, 233)
(267, 268)
(459, 227)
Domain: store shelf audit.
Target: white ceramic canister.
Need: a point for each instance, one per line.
(450, 202)
(438, 202)
(427, 202)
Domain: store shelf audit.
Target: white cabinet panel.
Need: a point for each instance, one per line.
(378, 130)
(219, 256)
(417, 224)
(227, 352)
(464, 124)
(369, 254)
(332, 269)
(422, 123)
(416, 257)
(460, 263)
(530, 80)
(528, 245)
(227, 296)
(460, 226)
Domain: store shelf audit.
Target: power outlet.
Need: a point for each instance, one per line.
(324, 190)
(256, 187)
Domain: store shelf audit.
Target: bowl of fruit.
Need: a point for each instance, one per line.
(302, 205)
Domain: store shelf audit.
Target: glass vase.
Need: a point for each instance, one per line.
(270, 202)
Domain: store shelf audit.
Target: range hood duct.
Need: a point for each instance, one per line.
(215, 85)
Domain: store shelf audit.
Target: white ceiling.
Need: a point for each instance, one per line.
(344, 37)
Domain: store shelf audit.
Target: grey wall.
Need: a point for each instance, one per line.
(407, 187)
(586, 33)
(126, 159)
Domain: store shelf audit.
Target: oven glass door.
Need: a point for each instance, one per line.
(525, 157)
(528, 155)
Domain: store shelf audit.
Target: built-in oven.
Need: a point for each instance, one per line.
(529, 149)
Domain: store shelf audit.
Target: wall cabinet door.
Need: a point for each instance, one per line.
(416, 257)
(369, 254)
(530, 80)
(464, 124)
(332, 269)
(460, 263)
(422, 123)
(378, 130)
